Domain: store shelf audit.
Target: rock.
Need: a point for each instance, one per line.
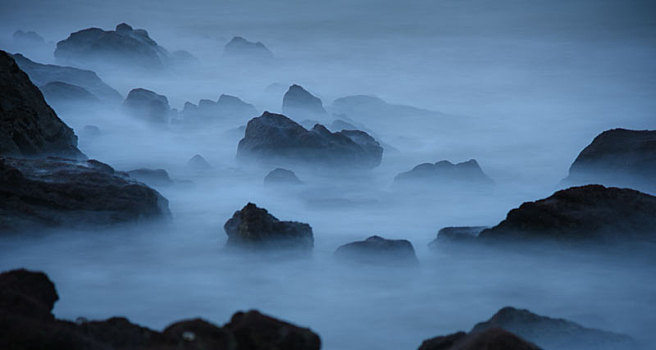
(28, 126)
(226, 109)
(553, 333)
(197, 162)
(491, 339)
(274, 139)
(593, 214)
(200, 333)
(148, 106)
(57, 192)
(124, 47)
(461, 234)
(28, 37)
(152, 177)
(339, 124)
(61, 95)
(240, 48)
(281, 176)
(618, 157)
(298, 103)
(445, 173)
(378, 250)
(27, 293)
(183, 58)
(254, 331)
(42, 74)
(254, 227)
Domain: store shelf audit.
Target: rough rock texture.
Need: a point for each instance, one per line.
(255, 227)
(147, 106)
(446, 173)
(226, 109)
(241, 48)
(57, 192)
(553, 333)
(590, 213)
(274, 138)
(298, 102)
(153, 177)
(458, 234)
(28, 126)
(378, 250)
(491, 339)
(42, 74)
(124, 46)
(618, 157)
(280, 176)
(197, 162)
(26, 321)
(61, 95)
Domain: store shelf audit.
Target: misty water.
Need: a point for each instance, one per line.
(519, 86)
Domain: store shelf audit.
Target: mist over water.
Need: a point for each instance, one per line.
(519, 86)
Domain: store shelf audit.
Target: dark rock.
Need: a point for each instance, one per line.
(148, 106)
(28, 126)
(42, 74)
(618, 157)
(255, 227)
(60, 95)
(460, 234)
(152, 177)
(254, 331)
(199, 334)
(491, 339)
(58, 192)
(27, 293)
(241, 48)
(298, 102)
(197, 162)
(274, 138)
(125, 47)
(379, 250)
(553, 333)
(226, 109)
(280, 176)
(445, 173)
(593, 213)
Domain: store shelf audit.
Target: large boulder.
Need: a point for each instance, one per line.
(553, 333)
(148, 106)
(491, 339)
(56, 192)
(299, 103)
(445, 174)
(240, 48)
(226, 109)
(274, 139)
(378, 250)
(28, 126)
(124, 46)
(618, 157)
(253, 330)
(254, 227)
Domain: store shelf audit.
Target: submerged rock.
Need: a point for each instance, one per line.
(280, 176)
(378, 250)
(298, 102)
(240, 48)
(445, 173)
(153, 177)
(491, 339)
(276, 139)
(253, 227)
(148, 106)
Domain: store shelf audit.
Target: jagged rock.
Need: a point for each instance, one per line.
(42, 74)
(460, 234)
(125, 46)
(28, 126)
(148, 106)
(491, 339)
(445, 173)
(252, 330)
(241, 48)
(298, 102)
(57, 192)
(618, 157)
(60, 95)
(275, 139)
(378, 250)
(197, 162)
(226, 108)
(153, 177)
(553, 333)
(280, 176)
(593, 214)
(255, 227)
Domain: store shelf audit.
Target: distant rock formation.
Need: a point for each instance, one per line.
(124, 46)
(241, 48)
(148, 106)
(253, 227)
(491, 339)
(28, 37)
(152, 177)
(379, 251)
(90, 131)
(301, 104)
(445, 173)
(617, 157)
(458, 234)
(28, 126)
(226, 109)
(27, 299)
(280, 176)
(61, 95)
(274, 139)
(197, 162)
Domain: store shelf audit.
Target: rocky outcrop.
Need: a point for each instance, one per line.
(147, 106)
(56, 192)
(445, 173)
(553, 333)
(43, 74)
(378, 250)
(152, 177)
(253, 227)
(226, 109)
(491, 339)
(27, 322)
(28, 126)
(240, 48)
(593, 214)
(124, 46)
(301, 104)
(274, 139)
(280, 176)
(618, 157)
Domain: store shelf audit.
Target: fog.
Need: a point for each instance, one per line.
(522, 87)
